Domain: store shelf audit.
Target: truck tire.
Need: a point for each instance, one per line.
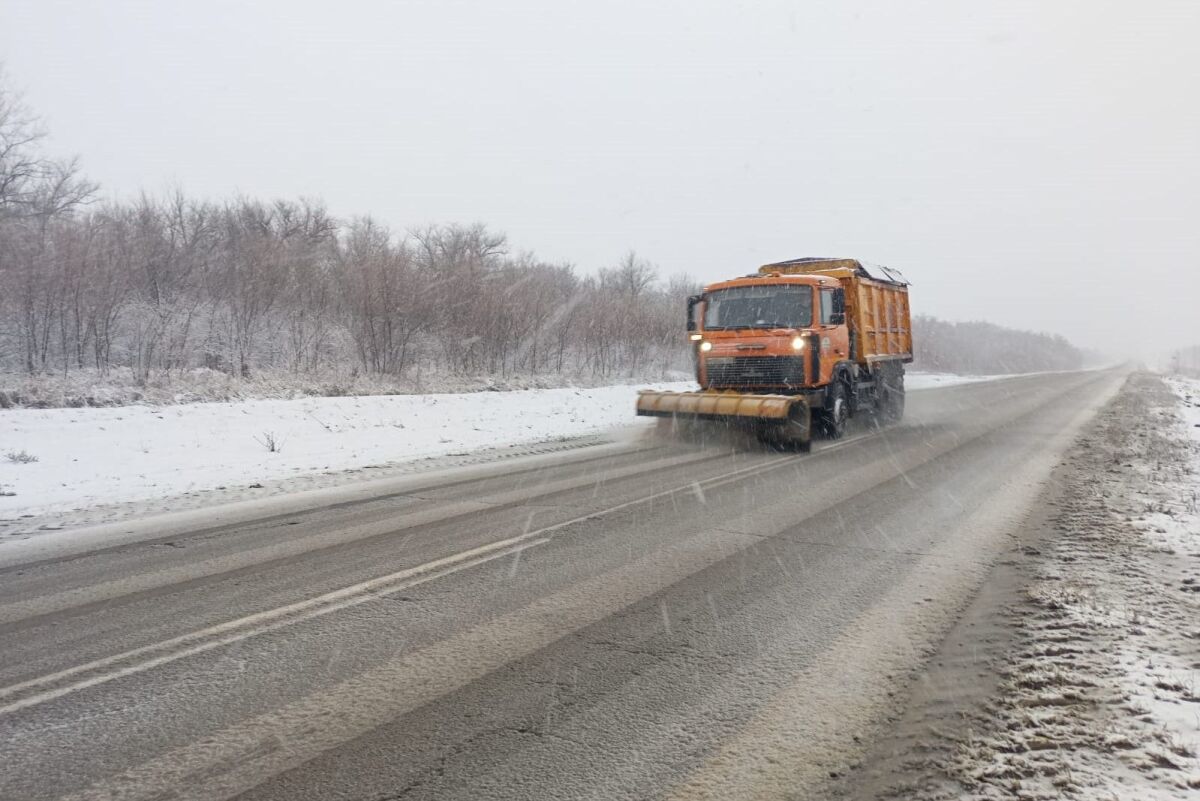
(837, 411)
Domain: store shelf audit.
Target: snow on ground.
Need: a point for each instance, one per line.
(54, 460)
(90, 387)
(931, 380)
(92, 456)
(1075, 674)
(1102, 697)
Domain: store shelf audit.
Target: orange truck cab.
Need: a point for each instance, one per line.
(799, 345)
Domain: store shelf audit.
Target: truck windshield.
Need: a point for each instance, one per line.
(771, 306)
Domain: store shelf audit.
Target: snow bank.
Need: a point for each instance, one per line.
(1175, 525)
(89, 387)
(1188, 390)
(92, 456)
(914, 380)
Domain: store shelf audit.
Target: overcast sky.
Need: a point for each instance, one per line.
(1031, 163)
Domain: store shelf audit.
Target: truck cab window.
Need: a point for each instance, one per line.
(827, 309)
(761, 306)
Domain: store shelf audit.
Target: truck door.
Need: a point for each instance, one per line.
(835, 336)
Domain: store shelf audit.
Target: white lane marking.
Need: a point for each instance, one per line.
(266, 621)
(216, 565)
(261, 622)
(232, 759)
(841, 443)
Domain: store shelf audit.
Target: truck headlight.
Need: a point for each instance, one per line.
(797, 343)
(706, 346)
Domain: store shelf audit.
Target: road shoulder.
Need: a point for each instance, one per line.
(1073, 674)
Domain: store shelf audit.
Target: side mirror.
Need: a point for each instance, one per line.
(691, 317)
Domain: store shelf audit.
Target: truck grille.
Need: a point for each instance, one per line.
(755, 371)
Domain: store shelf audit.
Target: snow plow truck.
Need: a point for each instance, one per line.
(795, 349)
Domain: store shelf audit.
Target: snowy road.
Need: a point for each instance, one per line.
(649, 619)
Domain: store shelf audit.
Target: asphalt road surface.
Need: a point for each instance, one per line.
(653, 618)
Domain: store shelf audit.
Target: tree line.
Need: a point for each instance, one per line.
(161, 285)
(981, 348)
(168, 284)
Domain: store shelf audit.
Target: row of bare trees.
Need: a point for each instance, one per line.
(984, 348)
(164, 285)
(167, 285)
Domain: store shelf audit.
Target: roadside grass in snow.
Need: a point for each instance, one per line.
(20, 457)
(270, 441)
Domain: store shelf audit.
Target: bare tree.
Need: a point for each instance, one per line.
(36, 194)
(385, 299)
(22, 165)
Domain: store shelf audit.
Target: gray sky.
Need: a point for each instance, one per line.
(1034, 163)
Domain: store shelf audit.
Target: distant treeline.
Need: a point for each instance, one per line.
(164, 286)
(984, 348)
(156, 287)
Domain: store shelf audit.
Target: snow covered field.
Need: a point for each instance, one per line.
(95, 456)
(62, 459)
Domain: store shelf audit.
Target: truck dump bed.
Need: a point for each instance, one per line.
(876, 305)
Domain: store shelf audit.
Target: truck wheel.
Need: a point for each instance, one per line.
(837, 412)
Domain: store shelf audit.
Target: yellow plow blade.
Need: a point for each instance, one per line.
(761, 411)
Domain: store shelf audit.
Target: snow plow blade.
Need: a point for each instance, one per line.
(782, 417)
